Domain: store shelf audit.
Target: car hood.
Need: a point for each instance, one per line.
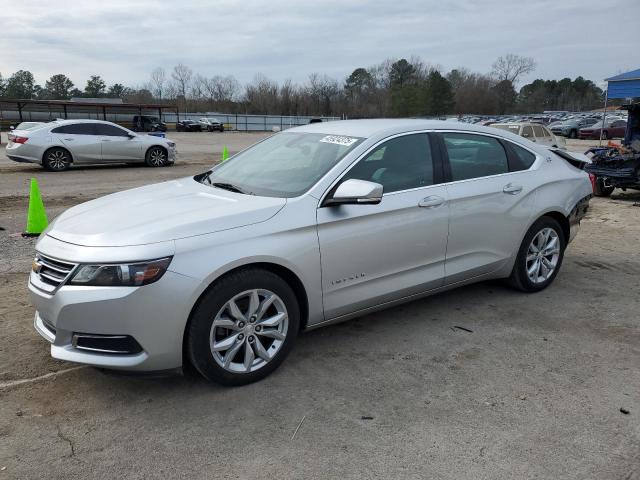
(161, 212)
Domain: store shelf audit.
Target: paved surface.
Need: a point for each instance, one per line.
(533, 391)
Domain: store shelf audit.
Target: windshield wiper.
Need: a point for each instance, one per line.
(229, 186)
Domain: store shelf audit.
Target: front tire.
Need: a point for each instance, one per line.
(56, 159)
(243, 327)
(573, 134)
(540, 256)
(156, 157)
(605, 135)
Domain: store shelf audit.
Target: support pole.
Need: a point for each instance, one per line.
(604, 113)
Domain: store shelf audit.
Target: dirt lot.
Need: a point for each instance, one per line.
(533, 391)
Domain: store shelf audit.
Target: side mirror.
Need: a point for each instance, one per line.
(356, 192)
(12, 127)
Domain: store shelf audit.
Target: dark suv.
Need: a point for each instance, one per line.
(571, 127)
(148, 123)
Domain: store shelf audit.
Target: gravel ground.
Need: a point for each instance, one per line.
(534, 390)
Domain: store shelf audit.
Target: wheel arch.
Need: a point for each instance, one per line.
(292, 279)
(562, 219)
(166, 150)
(62, 147)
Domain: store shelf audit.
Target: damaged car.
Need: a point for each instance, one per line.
(618, 166)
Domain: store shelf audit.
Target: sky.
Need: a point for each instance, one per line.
(289, 39)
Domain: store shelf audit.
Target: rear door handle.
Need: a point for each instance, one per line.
(431, 201)
(68, 139)
(512, 189)
(105, 140)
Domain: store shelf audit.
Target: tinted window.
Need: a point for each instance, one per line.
(76, 129)
(399, 164)
(109, 130)
(473, 156)
(619, 123)
(527, 131)
(523, 159)
(538, 131)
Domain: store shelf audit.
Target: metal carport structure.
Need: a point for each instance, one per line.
(624, 85)
(45, 110)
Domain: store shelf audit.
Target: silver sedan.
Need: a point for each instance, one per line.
(60, 144)
(311, 226)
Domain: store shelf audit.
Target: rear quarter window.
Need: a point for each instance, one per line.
(522, 158)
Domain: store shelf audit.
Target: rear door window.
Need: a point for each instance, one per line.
(109, 130)
(75, 129)
(474, 156)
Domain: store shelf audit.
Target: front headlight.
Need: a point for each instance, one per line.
(122, 275)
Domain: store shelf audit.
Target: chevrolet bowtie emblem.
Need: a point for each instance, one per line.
(36, 266)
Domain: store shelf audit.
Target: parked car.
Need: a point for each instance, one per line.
(58, 145)
(148, 123)
(188, 126)
(27, 125)
(613, 128)
(533, 131)
(570, 128)
(311, 226)
(211, 124)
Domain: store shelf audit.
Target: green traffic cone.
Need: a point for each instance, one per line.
(36, 216)
(225, 154)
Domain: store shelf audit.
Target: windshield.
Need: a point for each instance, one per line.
(284, 165)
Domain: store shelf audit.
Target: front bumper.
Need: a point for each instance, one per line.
(154, 316)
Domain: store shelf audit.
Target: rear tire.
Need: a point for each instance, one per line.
(56, 159)
(244, 343)
(605, 135)
(540, 256)
(601, 190)
(156, 157)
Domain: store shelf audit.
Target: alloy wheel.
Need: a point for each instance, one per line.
(248, 331)
(57, 159)
(543, 255)
(157, 157)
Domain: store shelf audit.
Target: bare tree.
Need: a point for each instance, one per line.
(511, 67)
(182, 76)
(157, 82)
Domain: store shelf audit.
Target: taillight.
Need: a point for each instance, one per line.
(16, 139)
(593, 179)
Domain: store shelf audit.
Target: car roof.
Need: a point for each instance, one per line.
(380, 128)
(86, 120)
(388, 126)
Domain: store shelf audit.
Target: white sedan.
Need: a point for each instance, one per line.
(60, 144)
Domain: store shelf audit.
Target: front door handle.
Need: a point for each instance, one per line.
(105, 140)
(68, 139)
(431, 201)
(512, 189)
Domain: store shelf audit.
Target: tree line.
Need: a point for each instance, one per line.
(392, 88)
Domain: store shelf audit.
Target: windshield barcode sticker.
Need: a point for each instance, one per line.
(337, 139)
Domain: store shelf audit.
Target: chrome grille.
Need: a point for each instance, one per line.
(50, 271)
